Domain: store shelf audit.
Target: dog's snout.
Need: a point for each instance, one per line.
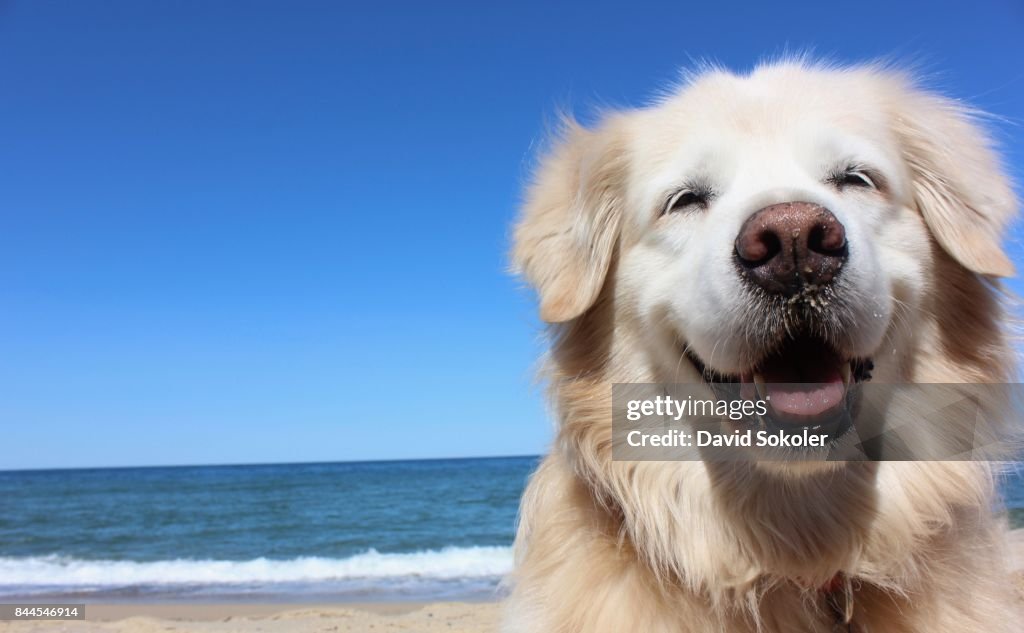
(787, 246)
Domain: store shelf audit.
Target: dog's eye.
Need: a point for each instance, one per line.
(686, 200)
(853, 178)
(857, 179)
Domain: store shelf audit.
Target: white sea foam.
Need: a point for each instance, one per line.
(450, 563)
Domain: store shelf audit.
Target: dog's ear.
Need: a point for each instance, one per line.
(569, 226)
(958, 184)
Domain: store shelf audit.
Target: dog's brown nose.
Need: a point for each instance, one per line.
(786, 246)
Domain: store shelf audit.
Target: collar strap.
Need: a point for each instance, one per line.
(838, 594)
(834, 584)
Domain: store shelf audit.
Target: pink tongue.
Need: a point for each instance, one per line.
(806, 400)
(805, 381)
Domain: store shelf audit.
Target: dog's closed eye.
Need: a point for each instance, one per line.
(855, 176)
(688, 199)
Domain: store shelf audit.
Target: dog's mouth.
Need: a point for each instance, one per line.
(805, 383)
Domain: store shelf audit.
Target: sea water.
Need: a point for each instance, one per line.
(400, 530)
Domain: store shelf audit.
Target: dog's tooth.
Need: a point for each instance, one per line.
(844, 370)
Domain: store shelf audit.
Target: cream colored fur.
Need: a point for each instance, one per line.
(610, 546)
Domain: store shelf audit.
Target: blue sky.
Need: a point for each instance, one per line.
(259, 232)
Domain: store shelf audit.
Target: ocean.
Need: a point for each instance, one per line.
(400, 530)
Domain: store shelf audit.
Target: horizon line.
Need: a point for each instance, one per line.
(244, 464)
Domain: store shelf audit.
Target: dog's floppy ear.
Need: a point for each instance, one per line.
(569, 225)
(958, 184)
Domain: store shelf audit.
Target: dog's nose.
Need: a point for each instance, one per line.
(787, 246)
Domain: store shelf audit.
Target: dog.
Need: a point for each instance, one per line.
(803, 223)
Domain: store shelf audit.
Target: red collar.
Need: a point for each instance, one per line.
(838, 592)
(833, 585)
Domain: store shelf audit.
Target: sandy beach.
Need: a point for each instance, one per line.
(451, 617)
(404, 617)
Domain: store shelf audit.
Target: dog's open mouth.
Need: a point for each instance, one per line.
(806, 385)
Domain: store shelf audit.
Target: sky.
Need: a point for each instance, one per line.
(238, 232)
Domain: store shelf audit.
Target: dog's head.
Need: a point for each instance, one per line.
(782, 227)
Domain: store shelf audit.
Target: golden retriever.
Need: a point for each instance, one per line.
(668, 244)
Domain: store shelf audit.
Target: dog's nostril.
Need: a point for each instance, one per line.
(827, 238)
(786, 246)
(756, 248)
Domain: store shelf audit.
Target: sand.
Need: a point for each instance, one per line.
(450, 617)
(404, 617)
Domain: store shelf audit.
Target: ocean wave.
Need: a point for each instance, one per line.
(450, 563)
